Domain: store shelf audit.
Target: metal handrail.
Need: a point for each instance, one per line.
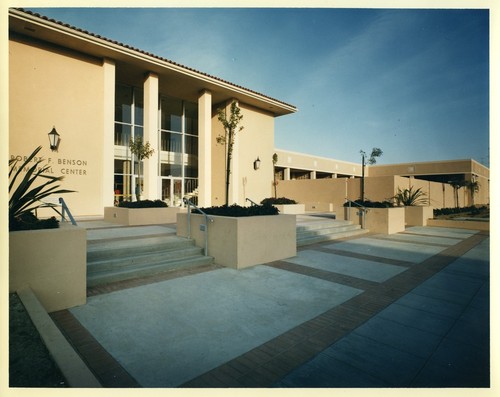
(364, 210)
(205, 226)
(251, 201)
(65, 209)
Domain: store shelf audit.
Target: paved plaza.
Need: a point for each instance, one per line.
(405, 310)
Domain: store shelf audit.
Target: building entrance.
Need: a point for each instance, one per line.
(171, 191)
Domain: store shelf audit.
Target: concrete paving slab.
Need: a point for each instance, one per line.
(393, 366)
(397, 250)
(420, 319)
(431, 305)
(167, 333)
(360, 268)
(450, 287)
(455, 365)
(326, 371)
(402, 337)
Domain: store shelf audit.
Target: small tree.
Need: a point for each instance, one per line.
(457, 185)
(230, 129)
(376, 152)
(474, 188)
(142, 151)
(275, 160)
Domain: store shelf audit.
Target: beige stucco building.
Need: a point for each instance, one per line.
(98, 93)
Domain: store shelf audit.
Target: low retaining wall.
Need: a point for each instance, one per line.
(53, 263)
(458, 224)
(141, 216)
(244, 241)
(293, 209)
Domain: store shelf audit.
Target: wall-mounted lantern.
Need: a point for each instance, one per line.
(54, 139)
(256, 164)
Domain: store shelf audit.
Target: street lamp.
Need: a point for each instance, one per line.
(54, 139)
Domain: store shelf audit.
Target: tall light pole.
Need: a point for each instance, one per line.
(376, 152)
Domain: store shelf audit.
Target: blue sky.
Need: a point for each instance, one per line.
(413, 82)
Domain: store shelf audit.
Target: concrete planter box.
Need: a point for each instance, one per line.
(244, 241)
(319, 207)
(381, 220)
(141, 216)
(293, 209)
(53, 263)
(418, 215)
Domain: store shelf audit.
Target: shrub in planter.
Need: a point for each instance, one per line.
(143, 204)
(239, 211)
(410, 197)
(28, 221)
(277, 201)
(371, 204)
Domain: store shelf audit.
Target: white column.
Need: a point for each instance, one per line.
(108, 136)
(287, 174)
(205, 149)
(313, 174)
(151, 135)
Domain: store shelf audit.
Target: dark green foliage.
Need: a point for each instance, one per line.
(143, 204)
(27, 192)
(277, 201)
(239, 211)
(473, 210)
(371, 204)
(410, 197)
(28, 221)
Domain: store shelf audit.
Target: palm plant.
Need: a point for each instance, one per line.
(26, 195)
(410, 197)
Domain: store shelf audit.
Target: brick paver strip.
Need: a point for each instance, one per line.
(109, 372)
(296, 348)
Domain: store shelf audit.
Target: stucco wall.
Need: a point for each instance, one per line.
(256, 140)
(334, 191)
(55, 88)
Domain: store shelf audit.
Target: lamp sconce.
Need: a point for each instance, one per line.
(54, 139)
(256, 164)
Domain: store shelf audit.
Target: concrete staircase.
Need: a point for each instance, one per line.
(123, 253)
(316, 229)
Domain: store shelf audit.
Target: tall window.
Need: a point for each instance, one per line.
(179, 145)
(129, 123)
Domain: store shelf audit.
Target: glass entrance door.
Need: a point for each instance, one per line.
(171, 191)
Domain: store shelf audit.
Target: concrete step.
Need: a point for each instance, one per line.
(139, 260)
(131, 246)
(319, 231)
(127, 273)
(128, 252)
